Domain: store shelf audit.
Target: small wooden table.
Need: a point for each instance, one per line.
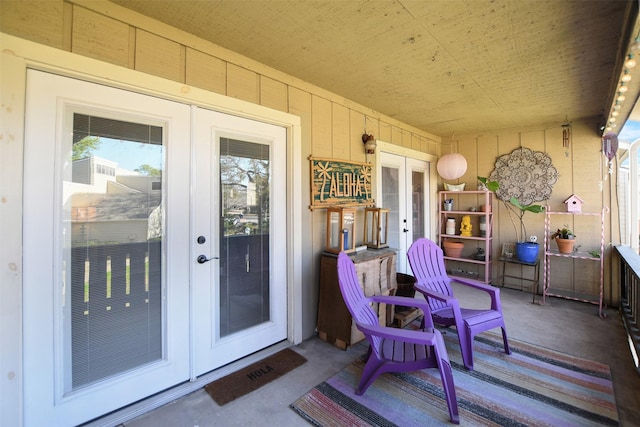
(536, 273)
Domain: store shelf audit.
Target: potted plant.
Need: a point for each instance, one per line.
(452, 248)
(565, 240)
(526, 250)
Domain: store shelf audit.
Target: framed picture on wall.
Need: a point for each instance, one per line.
(508, 250)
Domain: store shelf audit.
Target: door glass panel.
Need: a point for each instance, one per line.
(112, 229)
(244, 239)
(417, 204)
(391, 201)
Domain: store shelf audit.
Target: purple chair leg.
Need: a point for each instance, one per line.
(447, 379)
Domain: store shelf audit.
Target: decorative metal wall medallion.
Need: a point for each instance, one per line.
(525, 174)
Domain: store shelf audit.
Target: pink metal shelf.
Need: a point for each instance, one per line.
(549, 254)
(469, 199)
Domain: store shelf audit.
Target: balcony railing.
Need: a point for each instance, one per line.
(116, 308)
(630, 298)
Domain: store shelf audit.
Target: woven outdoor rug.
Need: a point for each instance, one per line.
(531, 387)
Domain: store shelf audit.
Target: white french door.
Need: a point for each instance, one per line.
(122, 194)
(106, 316)
(238, 233)
(403, 185)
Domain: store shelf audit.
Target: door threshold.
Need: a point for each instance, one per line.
(141, 407)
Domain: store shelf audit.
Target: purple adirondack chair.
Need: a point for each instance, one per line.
(427, 263)
(393, 349)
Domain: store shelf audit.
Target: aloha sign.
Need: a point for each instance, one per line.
(339, 183)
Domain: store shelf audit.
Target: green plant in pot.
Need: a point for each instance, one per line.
(565, 239)
(526, 250)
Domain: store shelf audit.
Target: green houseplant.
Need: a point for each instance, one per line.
(488, 185)
(518, 210)
(526, 250)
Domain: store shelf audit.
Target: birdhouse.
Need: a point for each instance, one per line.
(376, 223)
(574, 203)
(341, 227)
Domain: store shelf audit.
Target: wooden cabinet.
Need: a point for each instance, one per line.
(478, 205)
(376, 270)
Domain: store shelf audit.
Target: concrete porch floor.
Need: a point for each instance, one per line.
(563, 325)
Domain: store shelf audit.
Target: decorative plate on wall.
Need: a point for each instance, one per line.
(525, 174)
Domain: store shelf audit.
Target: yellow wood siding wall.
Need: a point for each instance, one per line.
(39, 21)
(582, 172)
(331, 125)
(206, 72)
(89, 38)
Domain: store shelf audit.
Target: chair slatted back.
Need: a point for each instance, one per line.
(427, 264)
(353, 295)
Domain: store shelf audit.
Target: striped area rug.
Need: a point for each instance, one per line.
(531, 387)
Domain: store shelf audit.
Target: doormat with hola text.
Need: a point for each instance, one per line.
(246, 380)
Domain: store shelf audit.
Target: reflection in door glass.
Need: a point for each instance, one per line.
(244, 238)
(113, 231)
(417, 200)
(391, 201)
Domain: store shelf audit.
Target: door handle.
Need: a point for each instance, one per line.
(203, 258)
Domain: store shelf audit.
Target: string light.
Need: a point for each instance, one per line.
(623, 88)
(631, 62)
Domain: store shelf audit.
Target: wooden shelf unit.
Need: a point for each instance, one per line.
(463, 202)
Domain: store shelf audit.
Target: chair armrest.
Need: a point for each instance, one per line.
(426, 337)
(435, 295)
(406, 301)
(421, 304)
(476, 284)
(493, 292)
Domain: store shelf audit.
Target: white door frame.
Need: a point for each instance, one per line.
(431, 192)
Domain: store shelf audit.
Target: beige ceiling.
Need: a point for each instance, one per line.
(447, 67)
